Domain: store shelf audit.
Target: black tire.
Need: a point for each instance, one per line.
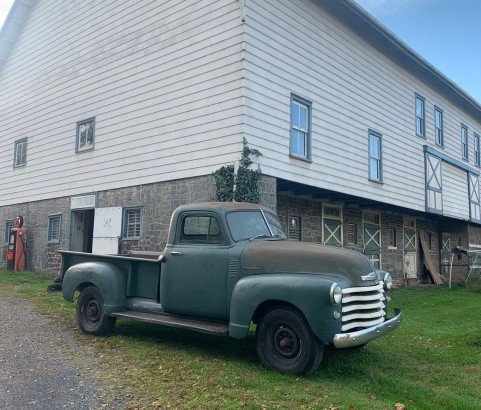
(286, 344)
(90, 313)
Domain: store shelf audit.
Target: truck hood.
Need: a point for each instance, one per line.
(302, 257)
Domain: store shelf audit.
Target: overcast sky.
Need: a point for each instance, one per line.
(446, 33)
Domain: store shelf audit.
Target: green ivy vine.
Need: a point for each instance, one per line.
(242, 187)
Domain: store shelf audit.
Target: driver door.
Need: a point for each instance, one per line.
(195, 270)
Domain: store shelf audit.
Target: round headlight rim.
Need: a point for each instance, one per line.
(387, 281)
(335, 294)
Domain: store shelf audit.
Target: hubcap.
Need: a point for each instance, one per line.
(286, 342)
(93, 311)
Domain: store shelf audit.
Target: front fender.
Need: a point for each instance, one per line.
(110, 280)
(307, 292)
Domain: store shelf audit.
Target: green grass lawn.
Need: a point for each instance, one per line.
(433, 361)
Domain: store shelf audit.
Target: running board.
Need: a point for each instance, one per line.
(213, 328)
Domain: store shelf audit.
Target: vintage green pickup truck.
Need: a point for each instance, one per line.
(226, 266)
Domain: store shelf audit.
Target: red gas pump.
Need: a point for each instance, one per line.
(17, 242)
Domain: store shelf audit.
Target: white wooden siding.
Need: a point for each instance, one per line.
(455, 191)
(295, 47)
(163, 80)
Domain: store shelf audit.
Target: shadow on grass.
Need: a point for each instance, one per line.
(196, 343)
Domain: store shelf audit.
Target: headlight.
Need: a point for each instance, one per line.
(336, 294)
(387, 281)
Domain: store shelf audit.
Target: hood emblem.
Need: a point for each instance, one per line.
(253, 267)
(371, 276)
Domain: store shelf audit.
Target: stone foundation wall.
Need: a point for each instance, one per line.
(392, 257)
(157, 201)
(40, 255)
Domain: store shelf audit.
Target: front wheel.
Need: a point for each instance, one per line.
(90, 313)
(286, 344)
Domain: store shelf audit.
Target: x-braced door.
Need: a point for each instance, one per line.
(410, 249)
(372, 244)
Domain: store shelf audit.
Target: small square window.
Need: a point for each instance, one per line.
(300, 145)
(391, 237)
(351, 233)
(20, 153)
(9, 224)
(132, 226)
(294, 228)
(54, 225)
(85, 135)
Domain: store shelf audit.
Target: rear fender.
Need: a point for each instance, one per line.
(110, 280)
(307, 292)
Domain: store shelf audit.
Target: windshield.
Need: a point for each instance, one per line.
(254, 224)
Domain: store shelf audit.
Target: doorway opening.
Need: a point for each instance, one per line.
(82, 230)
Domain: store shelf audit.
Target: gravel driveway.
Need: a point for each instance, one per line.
(40, 363)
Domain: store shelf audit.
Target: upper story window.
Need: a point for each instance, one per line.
(375, 156)
(85, 135)
(20, 153)
(300, 127)
(477, 156)
(54, 225)
(464, 142)
(132, 226)
(420, 117)
(438, 127)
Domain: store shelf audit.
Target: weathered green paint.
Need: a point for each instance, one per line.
(107, 277)
(226, 281)
(307, 292)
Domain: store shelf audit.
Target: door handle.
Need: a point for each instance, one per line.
(175, 253)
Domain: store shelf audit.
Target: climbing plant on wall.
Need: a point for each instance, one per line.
(243, 186)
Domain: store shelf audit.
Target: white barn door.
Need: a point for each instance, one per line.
(107, 230)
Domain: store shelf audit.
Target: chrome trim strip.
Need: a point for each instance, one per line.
(370, 276)
(343, 340)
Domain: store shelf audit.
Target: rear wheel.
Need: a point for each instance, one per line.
(90, 313)
(286, 343)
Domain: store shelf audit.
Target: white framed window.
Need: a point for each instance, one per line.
(464, 142)
(54, 226)
(438, 127)
(300, 144)
(477, 154)
(85, 135)
(420, 117)
(132, 223)
(20, 153)
(375, 156)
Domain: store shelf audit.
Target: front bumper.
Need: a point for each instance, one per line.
(351, 339)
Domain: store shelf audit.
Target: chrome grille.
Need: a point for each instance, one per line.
(362, 307)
